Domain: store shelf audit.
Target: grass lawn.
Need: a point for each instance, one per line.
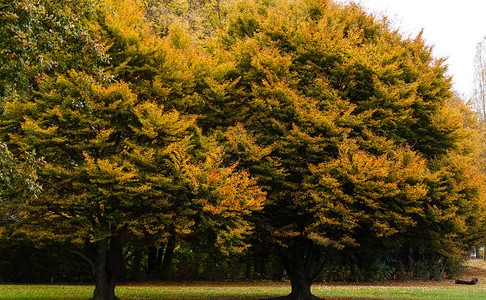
(415, 290)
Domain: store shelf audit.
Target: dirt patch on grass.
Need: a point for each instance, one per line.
(476, 268)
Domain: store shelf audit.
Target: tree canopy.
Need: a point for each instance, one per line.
(310, 125)
(361, 144)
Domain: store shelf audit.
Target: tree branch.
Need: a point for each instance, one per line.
(90, 261)
(318, 271)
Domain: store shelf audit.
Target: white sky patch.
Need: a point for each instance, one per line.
(453, 27)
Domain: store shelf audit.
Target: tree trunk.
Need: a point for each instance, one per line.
(301, 288)
(107, 264)
(152, 260)
(160, 256)
(169, 254)
(300, 261)
(137, 270)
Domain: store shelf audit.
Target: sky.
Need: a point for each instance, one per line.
(453, 27)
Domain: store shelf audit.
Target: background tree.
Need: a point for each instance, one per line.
(42, 37)
(479, 90)
(347, 127)
(18, 183)
(479, 101)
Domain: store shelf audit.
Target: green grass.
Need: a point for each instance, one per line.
(244, 291)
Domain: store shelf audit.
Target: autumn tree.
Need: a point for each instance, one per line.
(345, 123)
(124, 167)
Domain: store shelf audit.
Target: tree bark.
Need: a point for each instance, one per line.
(107, 264)
(160, 256)
(169, 254)
(300, 262)
(152, 260)
(137, 271)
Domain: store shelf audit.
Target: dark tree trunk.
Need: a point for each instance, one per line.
(300, 262)
(411, 262)
(107, 264)
(301, 288)
(169, 254)
(137, 270)
(160, 256)
(151, 260)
